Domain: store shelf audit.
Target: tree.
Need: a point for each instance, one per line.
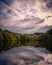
(1, 41)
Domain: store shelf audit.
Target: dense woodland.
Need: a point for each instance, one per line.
(9, 39)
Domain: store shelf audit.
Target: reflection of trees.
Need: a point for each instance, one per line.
(9, 39)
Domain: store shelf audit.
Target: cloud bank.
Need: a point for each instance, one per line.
(26, 16)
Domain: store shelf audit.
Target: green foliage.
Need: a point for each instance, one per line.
(45, 40)
(49, 31)
(17, 36)
(13, 41)
(1, 41)
(23, 39)
(9, 39)
(49, 41)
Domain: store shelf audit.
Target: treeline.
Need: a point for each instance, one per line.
(45, 40)
(9, 39)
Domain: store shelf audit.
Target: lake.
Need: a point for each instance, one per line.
(26, 55)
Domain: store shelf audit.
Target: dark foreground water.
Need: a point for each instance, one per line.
(26, 56)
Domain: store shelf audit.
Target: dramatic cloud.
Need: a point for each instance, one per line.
(25, 16)
(49, 3)
(44, 29)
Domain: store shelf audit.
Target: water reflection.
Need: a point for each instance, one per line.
(26, 56)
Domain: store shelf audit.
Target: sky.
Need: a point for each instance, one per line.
(26, 16)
